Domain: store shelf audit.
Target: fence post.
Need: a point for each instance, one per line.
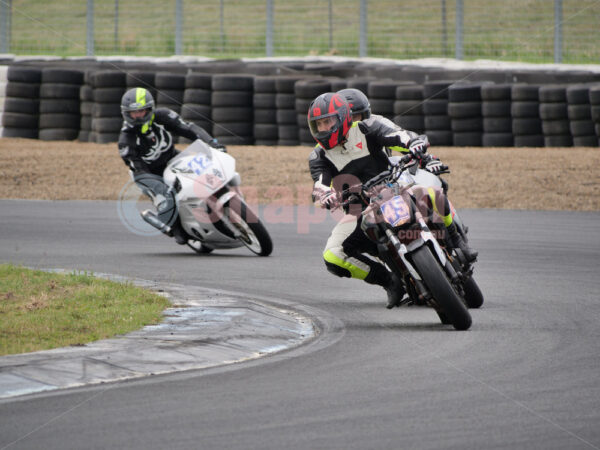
(459, 51)
(269, 37)
(178, 26)
(89, 47)
(444, 29)
(116, 37)
(362, 42)
(5, 8)
(558, 37)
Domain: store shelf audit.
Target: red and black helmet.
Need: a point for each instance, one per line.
(334, 106)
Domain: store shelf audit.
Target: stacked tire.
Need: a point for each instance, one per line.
(86, 107)
(288, 131)
(232, 108)
(595, 109)
(196, 106)
(265, 111)
(21, 102)
(497, 121)
(170, 88)
(382, 96)
(109, 87)
(408, 108)
(306, 91)
(579, 111)
(525, 113)
(555, 116)
(59, 104)
(141, 78)
(464, 109)
(438, 126)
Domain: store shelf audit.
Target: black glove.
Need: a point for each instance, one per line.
(217, 145)
(418, 147)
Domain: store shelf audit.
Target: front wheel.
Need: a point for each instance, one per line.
(473, 295)
(253, 233)
(451, 306)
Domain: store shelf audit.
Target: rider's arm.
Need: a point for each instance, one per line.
(176, 125)
(130, 153)
(387, 133)
(320, 172)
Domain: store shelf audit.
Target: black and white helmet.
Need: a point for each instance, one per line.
(137, 99)
(358, 101)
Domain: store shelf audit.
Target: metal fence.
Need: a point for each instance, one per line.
(510, 30)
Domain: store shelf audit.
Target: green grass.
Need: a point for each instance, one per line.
(41, 310)
(510, 30)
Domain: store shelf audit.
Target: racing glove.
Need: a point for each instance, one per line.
(217, 145)
(435, 166)
(329, 200)
(418, 147)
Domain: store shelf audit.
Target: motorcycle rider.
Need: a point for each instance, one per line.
(361, 109)
(146, 145)
(349, 150)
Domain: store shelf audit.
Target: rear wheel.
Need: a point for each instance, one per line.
(253, 233)
(448, 301)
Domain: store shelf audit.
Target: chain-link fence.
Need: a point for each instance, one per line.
(510, 30)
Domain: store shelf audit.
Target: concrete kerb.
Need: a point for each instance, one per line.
(205, 328)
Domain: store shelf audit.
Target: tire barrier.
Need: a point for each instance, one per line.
(265, 103)
(265, 111)
(60, 117)
(21, 88)
(232, 108)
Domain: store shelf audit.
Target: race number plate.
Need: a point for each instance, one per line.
(200, 164)
(395, 211)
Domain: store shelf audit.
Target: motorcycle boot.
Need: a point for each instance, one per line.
(391, 283)
(457, 241)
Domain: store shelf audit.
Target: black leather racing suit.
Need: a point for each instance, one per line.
(147, 149)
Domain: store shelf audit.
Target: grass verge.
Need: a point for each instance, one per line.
(42, 310)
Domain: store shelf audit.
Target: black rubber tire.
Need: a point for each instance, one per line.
(62, 76)
(285, 101)
(59, 134)
(383, 89)
(462, 125)
(265, 85)
(22, 90)
(169, 81)
(13, 132)
(70, 121)
(525, 109)
(106, 110)
(464, 93)
(109, 78)
(108, 125)
(553, 94)
(311, 88)
(497, 125)
(436, 89)
(460, 110)
(532, 140)
(497, 140)
(526, 126)
(473, 295)
(232, 82)
(555, 127)
(72, 106)
(409, 92)
(140, 78)
(198, 96)
(109, 95)
(413, 123)
(435, 107)
(288, 133)
(594, 95)
(169, 96)
(578, 94)
(440, 137)
(265, 115)
(585, 141)
(59, 91)
(582, 111)
(444, 294)
(232, 114)
(525, 92)
(266, 131)
(198, 81)
(582, 128)
(467, 139)
(495, 108)
(595, 113)
(240, 207)
(20, 120)
(287, 116)
(438, 123)
(558, 141)
(21, 74)
(496, 92)
(193, 111)
(408, 107)
(554, 111)
(231, 98)
(264, 101)
(21, 105)
(382, 106)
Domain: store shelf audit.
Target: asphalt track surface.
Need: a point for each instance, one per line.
(526, 375)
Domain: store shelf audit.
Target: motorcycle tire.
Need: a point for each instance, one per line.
(450, 303)
(254, 234)
(473, 295)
